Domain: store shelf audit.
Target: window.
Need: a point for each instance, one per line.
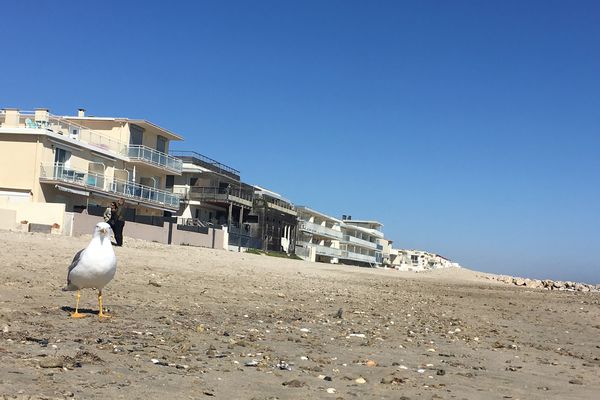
(62, 156)
(170, 182)
(136, 135)
(161, 144)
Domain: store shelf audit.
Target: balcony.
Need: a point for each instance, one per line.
(320, 230)
(360, 242)
(321, 250)
(222, 195)
(100, 183)
(198, 159)
(350, 255)
(154, 157)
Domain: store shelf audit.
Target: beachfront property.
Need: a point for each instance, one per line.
(86, 161)
(361, 243)
(418, 260)
(60, 172)
(319, 236)
(212, 194)
(273, 221)
(323, 238)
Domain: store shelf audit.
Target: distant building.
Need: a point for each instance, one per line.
(361, 242)
(418, 260)
(319, 236)
(273, 221)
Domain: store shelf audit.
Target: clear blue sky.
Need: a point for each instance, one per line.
(467, 128)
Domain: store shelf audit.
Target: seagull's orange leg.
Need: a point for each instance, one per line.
(76, 314)
(100, 313)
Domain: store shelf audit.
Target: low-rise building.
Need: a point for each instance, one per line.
(319, 236)
(418, 260)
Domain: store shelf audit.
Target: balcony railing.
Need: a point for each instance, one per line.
(213, 165)
(93, 181)
(154, 157)
(360, 242)
(320, 230)
(222, 194)
(75, 131)
(350, 255)
(321, 250)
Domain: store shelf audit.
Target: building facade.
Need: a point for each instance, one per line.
(85, 162)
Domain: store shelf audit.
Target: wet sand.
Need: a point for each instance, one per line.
(201, 323)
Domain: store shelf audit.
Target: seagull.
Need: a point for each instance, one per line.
(93, 267)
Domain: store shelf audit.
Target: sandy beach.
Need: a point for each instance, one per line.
(192, 323)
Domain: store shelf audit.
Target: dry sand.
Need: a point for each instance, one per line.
(202, 314)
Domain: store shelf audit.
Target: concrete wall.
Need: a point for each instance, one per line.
(8, 219)
(38, 213)
(83, 224)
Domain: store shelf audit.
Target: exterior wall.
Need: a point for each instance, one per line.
(18, 156)
(8, 218)
(39, 213)
(83, 224)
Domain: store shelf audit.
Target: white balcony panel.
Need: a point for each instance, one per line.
(360, 242)
(320, 230)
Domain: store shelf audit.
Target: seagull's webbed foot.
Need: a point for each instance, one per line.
(77, 314)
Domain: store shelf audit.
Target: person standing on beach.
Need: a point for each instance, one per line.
(107, 213)
(119, 222)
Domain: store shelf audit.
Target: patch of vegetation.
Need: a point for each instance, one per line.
(254, 251)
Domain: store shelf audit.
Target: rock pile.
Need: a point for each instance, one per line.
(545, 284)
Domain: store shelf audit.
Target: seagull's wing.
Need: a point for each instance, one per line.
(73, 265)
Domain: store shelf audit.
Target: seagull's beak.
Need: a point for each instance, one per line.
(103, 231)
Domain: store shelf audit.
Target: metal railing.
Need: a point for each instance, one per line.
(360, 242)
(320, 230)
(222, 194)
(72, 130)
(202, 160)
(154, 157)
(118, 187)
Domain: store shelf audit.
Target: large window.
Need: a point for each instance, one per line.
(161, 144)
(136, 135)
(62, 156)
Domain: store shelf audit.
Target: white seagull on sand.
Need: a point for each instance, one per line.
(93, 267)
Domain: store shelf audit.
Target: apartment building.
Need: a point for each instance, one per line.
(418, 260)
(212, 194)
(319, 236)
(85, 162)
(361, 242)
(273, 221)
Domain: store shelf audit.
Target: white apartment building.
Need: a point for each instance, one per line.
(319, 236)
(418, 260)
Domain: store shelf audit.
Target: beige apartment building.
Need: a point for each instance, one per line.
(83, 161)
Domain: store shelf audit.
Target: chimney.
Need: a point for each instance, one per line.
(349, 217)
(343, 217)
(42, 115)
(81, 112)
(11, 117)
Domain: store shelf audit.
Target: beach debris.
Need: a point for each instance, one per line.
(331, 390)
(358, 335)
(339, 314)
(294, 383)
(252, 363)
(360, 380)
(283, 366)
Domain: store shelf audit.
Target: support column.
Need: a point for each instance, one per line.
(240, 224)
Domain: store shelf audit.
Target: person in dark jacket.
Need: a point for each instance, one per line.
(119, 221)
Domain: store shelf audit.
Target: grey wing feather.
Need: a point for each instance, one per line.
(71, 267)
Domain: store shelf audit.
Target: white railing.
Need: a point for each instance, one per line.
(118, 187)
(320, 230)
(154, 157)
(75, 131)
(350, 255)
(328, 251)
(360, 242)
